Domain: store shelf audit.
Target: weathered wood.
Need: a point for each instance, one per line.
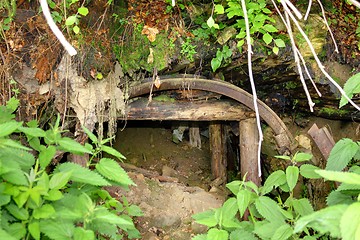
(322, 139)
(249, 138)
(218, 156)
(210, 110)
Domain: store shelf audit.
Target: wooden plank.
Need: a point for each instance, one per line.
(249, 142)
(218, 156)
(210, 110)
(322, 139)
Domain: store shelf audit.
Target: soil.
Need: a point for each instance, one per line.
(168, 206)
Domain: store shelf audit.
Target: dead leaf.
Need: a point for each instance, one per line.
(150, 32)
(157, 82)
(150, 59)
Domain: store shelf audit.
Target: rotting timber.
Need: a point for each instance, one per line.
(213, 111)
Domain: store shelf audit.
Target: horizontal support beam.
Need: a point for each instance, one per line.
(209, 110)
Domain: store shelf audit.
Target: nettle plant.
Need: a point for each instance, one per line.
(41, 201)
(287, 217)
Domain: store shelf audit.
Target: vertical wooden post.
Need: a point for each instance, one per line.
(249, 137)
(217, 149)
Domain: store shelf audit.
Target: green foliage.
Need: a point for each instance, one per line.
(221, 56)
(67, 203)
(293, 218)
(188, 50)
(351, 87)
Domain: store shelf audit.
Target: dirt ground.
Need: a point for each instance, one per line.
(168, 205)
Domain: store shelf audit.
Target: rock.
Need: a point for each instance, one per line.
(303, 141)
(168, 171)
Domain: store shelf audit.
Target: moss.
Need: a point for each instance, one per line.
(326, 111)
(135, 53)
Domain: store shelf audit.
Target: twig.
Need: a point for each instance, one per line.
(102, 18)
(253, 89)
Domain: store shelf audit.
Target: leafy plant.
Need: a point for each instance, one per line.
(188, 50)
(351, 87)
(67, 202)
(221, 56)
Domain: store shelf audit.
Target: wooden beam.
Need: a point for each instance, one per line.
(249, 137)
(218, 156)
(210, 110)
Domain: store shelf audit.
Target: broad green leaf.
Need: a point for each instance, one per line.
(341, 154)
(82, 234)
(72, 146)
(92, 136)
(292, 176)
(6, 235)
(53, 195)
(279, 42)
(210, 22)
(206, 218)
(46, 155)
(45, 211)
(308, 171)
(270, 28)
(351, 87)
(244, 197)
(284, 232)
(19, 213)
(16, 176)
(76, 29)
(12, 104)
(230, 223)
(112, 151)
(24, 159)
(217, 234)
(102, 214)
(71, 20)
(82, 175)
(265, 229)
(134, 211)
(267, 38)
(83, 11)
(326, 220)
(242, 234)
(350, 222)
(34, 132)
(199, 237)
(34, 229)
(302, 157)
(219, 9)
(269, 209)
(229, 208)
(284, 157)
(234, 186)
(59, 180)
(60, 230)
(17, 230)
(113, 171)
(275, 179)
(345, 177)
(336, 197)
(4, 199)
(215, 64)
(35, 193)
(12, 144)
(8, 128)
(302, 206)
(275, 50)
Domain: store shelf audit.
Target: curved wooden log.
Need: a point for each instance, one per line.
(283, 136)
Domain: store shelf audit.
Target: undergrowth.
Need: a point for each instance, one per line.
(39, 200)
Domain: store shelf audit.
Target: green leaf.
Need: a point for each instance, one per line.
(302, 157)
(324, 221)
(292, 176)
(267, 38)
(206, 218)
(4, 199)
(92, 136)
(275, 179)
(350, 222)
(219, 9)
(34, 229)
(34, 132)
(45, 211)
(54, 195)
(345, 177)
(234, 186)
(59, 180)
(341, 154)
(83, 11)
(19, 213)
(72, 146)
(6, 235)
(8, 128)
(351, 87)
(17, 230)
(244, 198)
(270, 28)
(337, 197)
(269, 209)
(82, 234)
(82, 175)
(275, 50)
(199, 237)
(46, 155)
(16, 176)
(102, 214)
(71, 20)
(113, 171)
(215, 64)
(283, 232)
(265, 229)
(113, 152)
(217, 234)
(210, 22)
(279, 42)
(228, 209)
(242, 234)
(284, 157)
(302, 206)
(59, 230)
(308, 171)
(76, 29)
(12, 144)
